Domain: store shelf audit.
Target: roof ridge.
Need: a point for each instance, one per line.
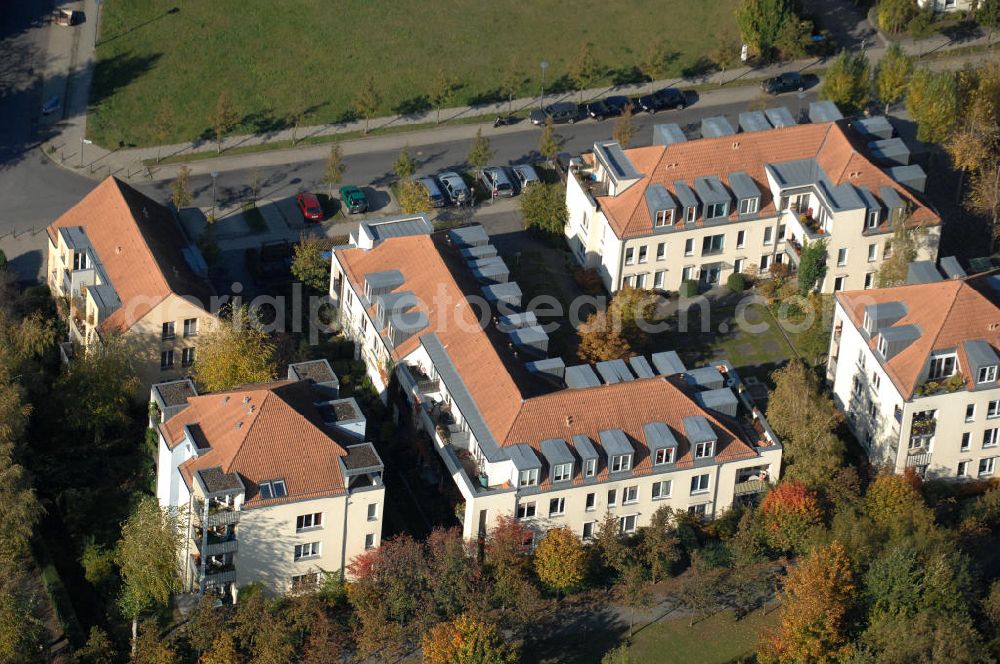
(142, 236)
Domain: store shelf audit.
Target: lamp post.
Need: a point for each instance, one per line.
(83, 141)
(544, 65)
(215, 174)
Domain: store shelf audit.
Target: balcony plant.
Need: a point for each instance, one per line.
(923, 427)
(443, 433)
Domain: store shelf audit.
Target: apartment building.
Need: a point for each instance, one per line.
(915, 370)
(273, 483)
(521, 433)
(121, 266)
(738, 201)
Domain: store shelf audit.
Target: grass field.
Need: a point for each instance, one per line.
(719, 639)
(185, 52)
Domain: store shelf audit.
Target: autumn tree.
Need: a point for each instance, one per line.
(805, 420)
(147, 556)
(584, 69)
(163, 126)
(633, 591)
(512, 82)
(441, 92)
(505, 551)
(904, 247)
(624, 128)
(480, 153)
(848, 81)
(99, 649)
(236, 351)
(180, 188)
(560, 560)
(932, 101)
(333, 171)
(891, 499)
(894, 15)
(632, 310)
(467, 639)
(892, 75)
(543, 207)
(790, 512)
(20, 509)
(813, 621)
(656, 62)
(222, 651)
(601, 339)
(404, 166)
(659, 545)
(367, 100)
(549, 142)
(224, 118)
(795, 38)
(413, 197)
(761, 22)
(725, 52)
(453, 576)
(309, 265)
(698, 591)
(609, 545)
(203, 626)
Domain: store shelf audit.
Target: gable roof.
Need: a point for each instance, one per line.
(140, 249)
(947, 314)
(263, 432)
(829, 143)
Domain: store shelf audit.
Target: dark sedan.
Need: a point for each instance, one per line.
(662, 100)
(787, 82)
(607, 108)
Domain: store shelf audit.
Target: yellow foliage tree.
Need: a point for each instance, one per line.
(413, 197)
(601, 339)
(467, 640)
(560, 560)
(235, 352)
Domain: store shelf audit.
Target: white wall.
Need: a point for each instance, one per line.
(171, 490)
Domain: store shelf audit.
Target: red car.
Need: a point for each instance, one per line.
(309, 206)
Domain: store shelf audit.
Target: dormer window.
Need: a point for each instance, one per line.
(868, 324)
(621, 463)
(749, 205)
(704, 450)
(590, 467)
(942, 366)
(716, 210)
(883, 345)
(528, 477)
(988, 374)
(690, 214)
(562, 472)
(273, 489)
(873, 219)
(663, 455)
(664, 218)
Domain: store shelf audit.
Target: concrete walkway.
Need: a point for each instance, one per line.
(69, 149)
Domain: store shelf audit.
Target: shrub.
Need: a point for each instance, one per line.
(588, 280)
(736, 283)
(689, 288)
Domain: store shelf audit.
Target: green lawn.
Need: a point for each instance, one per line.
(264, 53)
(719, 639)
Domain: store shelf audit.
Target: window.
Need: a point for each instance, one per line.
(626, 524)
(942, 366)
(310, 550)
(307, 521)
(712, 244)
(589, 467)
(781, 231)
(876, 380)
(588, 530)
(629, 256)
(272, 489)
(621, 462)
(800, 202)
(842, 256)
(882, 345)
(869, 280)
(628, 280)
(187, 357)
(768, 235)
(704, 450)
(168, 331)
(642, 254)
(591, 503)
(699, 484)
(966, 442)
(698, 510)
(691, 213)
(993, 409)
(716, 210)
(765, 262)
(664, 217)
(872, 221)
(658, 278)
(372, 511)
(687, 273)
(640, 281)
(528, 477)
(970, 412)
(661, 251)
(562, 472)
(963, 469)
(748, 205)
(689, 247)
(369, 541)
(987, 466)
(838, 283)
(662, 489)
(663, 455)
(738, 265)
(302, 582)
(988, 374)
(166, 359)
(872, 252)
(612, 497)
(990, 438)
(630, 494)
(526, 510)
(190, 327)
(741, 239)
(557, 506)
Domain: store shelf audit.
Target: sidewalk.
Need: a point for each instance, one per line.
(68, 149)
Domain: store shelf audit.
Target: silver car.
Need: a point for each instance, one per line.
(454, 186)
(525, 176)
(433, 191)
(496, 182)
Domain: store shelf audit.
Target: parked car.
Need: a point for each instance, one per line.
(354, 199)
(309, 206)
(786, 82)
(608, 107)
(497, 182)
(433, 191)
(661, 100)
(455, 188)
(525, 176)
(561, 111)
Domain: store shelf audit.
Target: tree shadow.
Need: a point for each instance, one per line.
(486, 98)
(560, 85)
(626, 76)
(139, 26)
(117, 72)
(699, 69)
(413, 107)
(962, 32)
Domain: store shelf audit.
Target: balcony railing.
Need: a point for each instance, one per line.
(219, 575)
(76, 331)
(219, 514)
(749, 487)
(915, 460)
(216, 545)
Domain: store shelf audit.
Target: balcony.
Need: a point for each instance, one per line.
(749, 487)
(219, 514)
(77, 331)
(918, 460)
(217, 575)
(216, 545)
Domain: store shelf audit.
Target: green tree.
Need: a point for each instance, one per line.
(987, 14)
(99, 649)
(584, 70)
(924, 637)
(367, 100)
(725, 52)
(19, 506)
(180, 191)
(549, 142)
(634, 592)
(480, 152)
(224, 118)
(512, 82)
(560, 560)
(892, 75)
(848, 81)
(333, 172)
(404, 166)
(893, 15)
(23, 636)
(610, 546)
(761, 23)
(223, 650)
(163, 126)
(543, 207)
(309, 265)
(624, 129)
(932, 101)
(441, 92)
(903, 249)
(203, 625)
(147, 555)
(656, 62)
(812, 265)
(235, 352)
(795, 38)
(659, 546)
(413, 197)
